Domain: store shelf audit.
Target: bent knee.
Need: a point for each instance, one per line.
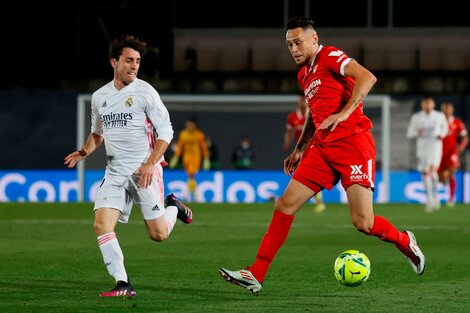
(284, 203)
(102, 227)
(363, 225)
(158, 236)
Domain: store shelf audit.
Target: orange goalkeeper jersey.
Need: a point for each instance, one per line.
(192, 146)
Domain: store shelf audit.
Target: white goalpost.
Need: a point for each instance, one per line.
(83, 106)
(384, 103)
(376, 107)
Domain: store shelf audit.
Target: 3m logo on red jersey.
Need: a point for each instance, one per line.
(357, 174)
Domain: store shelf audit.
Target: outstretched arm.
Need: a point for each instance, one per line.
(206, 164)
(307, 134)
(463, 143)
(92, 143)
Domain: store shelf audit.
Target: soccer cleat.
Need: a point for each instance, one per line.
(415, 255)
(429, 207)
(184, 213)
(242, 278)
(122, 289)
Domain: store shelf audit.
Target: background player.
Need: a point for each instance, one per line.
(294, 126)
(192, 148)
(452, 145)
(129, 116)
(342, 148)
(429, 127)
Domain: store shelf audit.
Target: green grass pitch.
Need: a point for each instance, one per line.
(50, 262)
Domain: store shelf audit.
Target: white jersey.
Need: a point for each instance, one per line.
(428, 129)
(129, 119)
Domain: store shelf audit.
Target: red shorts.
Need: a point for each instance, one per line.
(449, 160)
(351, 159)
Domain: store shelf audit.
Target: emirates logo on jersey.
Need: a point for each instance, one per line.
(112, 120)
(129, 102)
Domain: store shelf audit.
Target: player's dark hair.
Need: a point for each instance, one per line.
(192, 119)
(302, 22)
(447, 103)
(126, 41)
(427, 97)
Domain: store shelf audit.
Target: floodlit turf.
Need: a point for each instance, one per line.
(50, 262)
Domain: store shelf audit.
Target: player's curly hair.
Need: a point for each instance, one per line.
(301, 21)
(126, 41)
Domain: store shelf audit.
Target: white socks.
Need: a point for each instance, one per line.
(171, 213)
(435, 184)
(428, 186)
(112, 256)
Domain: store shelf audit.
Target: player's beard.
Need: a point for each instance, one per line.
(301, 63)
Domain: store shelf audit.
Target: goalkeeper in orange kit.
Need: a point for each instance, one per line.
(192, 149)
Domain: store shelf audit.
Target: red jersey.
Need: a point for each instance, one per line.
(456, 130)
(327, 91)
(295, 120)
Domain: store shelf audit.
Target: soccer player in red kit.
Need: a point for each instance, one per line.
(341, 148)
(452, 145)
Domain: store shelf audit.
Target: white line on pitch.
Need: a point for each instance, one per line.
(202, 223)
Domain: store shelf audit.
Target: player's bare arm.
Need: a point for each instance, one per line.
(92, 143)
(364, 81)
(307, 133)
(147, 170)
(463, 143)
(291, 162)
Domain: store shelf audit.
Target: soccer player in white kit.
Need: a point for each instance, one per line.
(429, 127)
(129, 116)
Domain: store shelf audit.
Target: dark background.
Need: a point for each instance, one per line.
(52, 52)
(44, 43)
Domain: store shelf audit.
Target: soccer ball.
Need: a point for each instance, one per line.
(352, 268)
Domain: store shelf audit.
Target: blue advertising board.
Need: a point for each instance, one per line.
(213, 186)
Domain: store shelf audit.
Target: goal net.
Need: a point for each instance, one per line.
(225, 118)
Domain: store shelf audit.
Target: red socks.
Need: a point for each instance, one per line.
(279, 229)
(387, 232)
(452, 186)
(272, 241)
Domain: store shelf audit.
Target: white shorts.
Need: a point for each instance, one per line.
(121, 192)
(426, 160)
